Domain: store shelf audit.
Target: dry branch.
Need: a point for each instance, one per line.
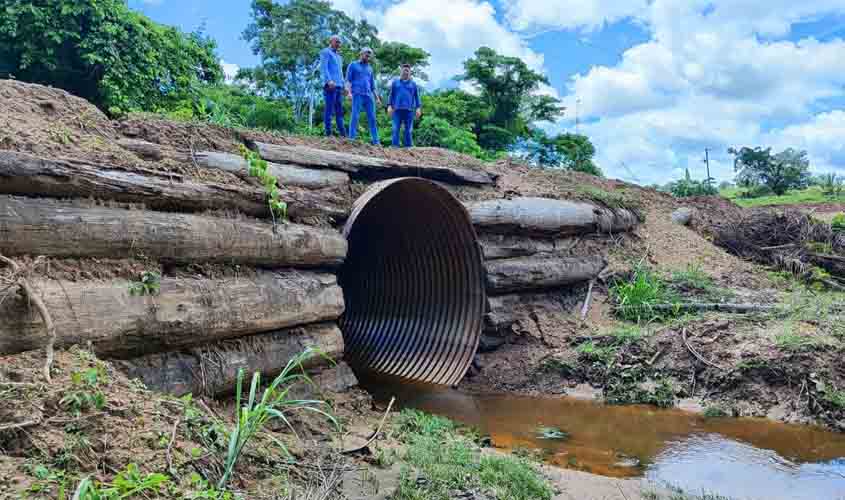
(695, 353)
(586, 309)
(42, 310)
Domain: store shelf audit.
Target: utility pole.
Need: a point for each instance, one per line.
(577, 102)
(707, 163)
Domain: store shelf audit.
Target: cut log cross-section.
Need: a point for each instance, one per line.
(368, 167)
(548, 217)
(64, 229)
(29, 175)
(186, 312)
(287, 175)
(536, 273)
(213, 368)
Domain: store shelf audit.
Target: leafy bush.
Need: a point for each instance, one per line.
(233, 106)
(688, 187)
(104, 52)
(437, 132)
(832, 185)
(86, 393)
(757, 191)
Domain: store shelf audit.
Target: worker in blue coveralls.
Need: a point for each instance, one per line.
(331, 72)
(361, 87)
(404, 106)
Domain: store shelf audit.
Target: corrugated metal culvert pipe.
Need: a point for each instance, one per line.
(413, 283)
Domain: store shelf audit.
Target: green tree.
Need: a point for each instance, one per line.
(509, 87)
(104, 52)
(459, 108)
(569, 151)
(288, 38)
(391, 55)
(789, 169)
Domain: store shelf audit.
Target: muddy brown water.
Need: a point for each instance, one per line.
(740, 458)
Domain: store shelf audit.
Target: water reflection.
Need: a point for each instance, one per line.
(742, 458)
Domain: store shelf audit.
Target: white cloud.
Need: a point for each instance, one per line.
(713, 74)
(823, 136)
(586, 14)
(451, 30)
(230, 70)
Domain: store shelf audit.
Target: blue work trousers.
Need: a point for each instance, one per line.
(403, 117)
(366, 103)
(334, 108)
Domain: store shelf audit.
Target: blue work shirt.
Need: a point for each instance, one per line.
(360, 77)
(404, 95)
(331, 67)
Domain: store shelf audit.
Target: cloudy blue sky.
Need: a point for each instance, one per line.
(656, 81)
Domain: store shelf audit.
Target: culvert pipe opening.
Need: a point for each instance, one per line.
(413, 283)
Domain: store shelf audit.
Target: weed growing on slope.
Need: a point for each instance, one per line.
(129, 483)
(259, 168)
(275, 403)
(445, 460)
(643, 297)
(86, 394)
(149, 284)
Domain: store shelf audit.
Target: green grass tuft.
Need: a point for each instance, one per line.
(444, 461)
(635, 298)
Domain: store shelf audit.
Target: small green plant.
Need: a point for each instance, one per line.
(149, 284)
(86, 393)
(258, 167)
(274, 403)
(451, 462)
(129, 483)
(627, 388)
(597, 354)
(833, 396)
(714, 412)
(637, 298)
(791, 340)
(838, 223)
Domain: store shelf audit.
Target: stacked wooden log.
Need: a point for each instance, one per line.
(528, 246)
(197, 331)
(280, 296)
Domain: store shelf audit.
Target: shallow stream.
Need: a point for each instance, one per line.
(740, 458)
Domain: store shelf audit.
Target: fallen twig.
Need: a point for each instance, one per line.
(42, 309)
(695, 353)
(376, 433)
(586, 308)
(19, 425)
(654, 358)
(169, 452)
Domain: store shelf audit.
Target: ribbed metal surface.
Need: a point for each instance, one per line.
(413, 283)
